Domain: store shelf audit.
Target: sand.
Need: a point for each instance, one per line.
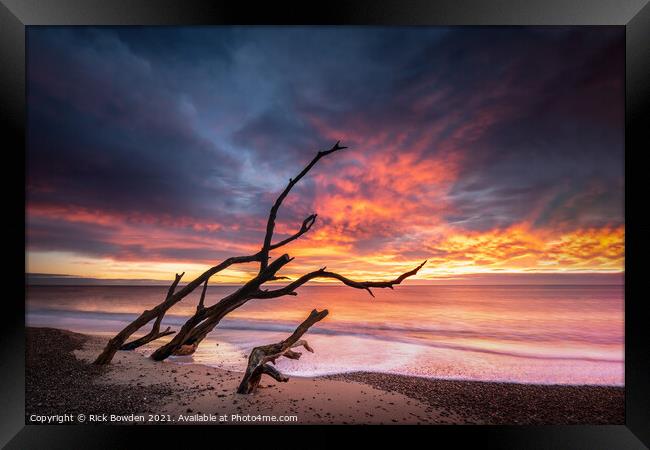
(490, 403)
(135, 389)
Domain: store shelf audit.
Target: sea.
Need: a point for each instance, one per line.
(539, 334)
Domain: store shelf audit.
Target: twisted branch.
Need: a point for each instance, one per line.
(205, 318)
(118, 341)
(322, 273)
(266, 247)
(306, 225)
(261, 357)
(155, 332)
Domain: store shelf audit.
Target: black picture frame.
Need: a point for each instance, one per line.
(634, 15)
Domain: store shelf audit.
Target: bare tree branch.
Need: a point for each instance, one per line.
(266, 247)
(203, 321)
(196, 328)
(189, 287)
(172, 288)
(172, 298)
(201, 304)
(306, 225)
(155, 332)
(260, 357)
(273, 373)
(322, 273)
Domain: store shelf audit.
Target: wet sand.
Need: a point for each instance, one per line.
(61, 380)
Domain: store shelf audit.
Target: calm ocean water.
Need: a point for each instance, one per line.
(527, 334)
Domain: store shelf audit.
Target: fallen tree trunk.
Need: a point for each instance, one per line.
(216, 312)
(261, 357)
(117, 342)
(155, 332)
(188, 349)
(172, 298)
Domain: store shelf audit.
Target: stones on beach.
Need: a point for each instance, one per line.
(503, 403)
(72, 385)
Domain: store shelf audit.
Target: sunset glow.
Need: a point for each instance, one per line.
(478, 151)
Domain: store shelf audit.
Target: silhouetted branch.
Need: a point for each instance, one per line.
(201, 304)
(266, 247)
(261, 357)
(196, 327)
(118, 341)
(203, 321)
(322, 273)
(155, 332)
(306, 225)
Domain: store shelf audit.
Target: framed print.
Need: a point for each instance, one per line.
(404, 220)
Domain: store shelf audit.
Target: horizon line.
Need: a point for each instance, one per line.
(600, 278)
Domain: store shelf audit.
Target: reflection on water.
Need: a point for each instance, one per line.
(537, 334)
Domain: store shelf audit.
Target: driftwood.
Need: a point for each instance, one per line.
(261, 357)
(117, 342)
(186, 349)
(154, 334)
(203, 321)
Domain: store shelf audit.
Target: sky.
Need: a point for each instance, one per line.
(490, 151)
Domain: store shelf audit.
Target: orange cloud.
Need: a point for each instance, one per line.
(521, 248)
(516, 249)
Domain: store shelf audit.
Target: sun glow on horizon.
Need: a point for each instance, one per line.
(514, 251)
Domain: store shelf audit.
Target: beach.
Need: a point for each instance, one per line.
(516, 334)
(61, 380)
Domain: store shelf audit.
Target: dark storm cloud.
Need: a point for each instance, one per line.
(559, 134)
(198, 129)
(105, 132)
(56, 235)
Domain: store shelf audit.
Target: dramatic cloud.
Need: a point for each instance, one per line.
(483, 149)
